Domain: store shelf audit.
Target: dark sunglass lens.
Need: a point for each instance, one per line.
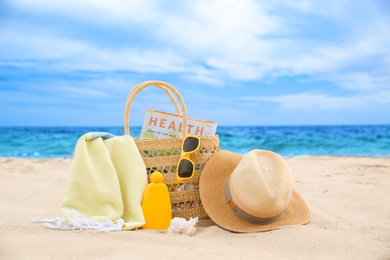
(186, 169)
(190, 144)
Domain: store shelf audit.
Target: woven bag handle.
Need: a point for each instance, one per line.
(167, 91)
(164, 86)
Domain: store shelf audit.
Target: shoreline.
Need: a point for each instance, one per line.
(348, 197)
(286, 158)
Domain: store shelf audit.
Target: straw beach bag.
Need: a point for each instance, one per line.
(163, 154)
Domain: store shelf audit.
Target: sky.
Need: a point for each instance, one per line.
(73, 62)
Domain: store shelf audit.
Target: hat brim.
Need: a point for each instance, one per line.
(211, 188)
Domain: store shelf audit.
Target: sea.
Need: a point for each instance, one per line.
(288, 141)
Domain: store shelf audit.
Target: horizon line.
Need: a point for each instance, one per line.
(140, 126)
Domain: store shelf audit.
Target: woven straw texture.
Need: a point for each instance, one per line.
(163, 155)
(261, 184)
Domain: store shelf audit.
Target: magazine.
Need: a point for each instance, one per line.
(164, 125)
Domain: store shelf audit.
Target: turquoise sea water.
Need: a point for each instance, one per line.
(356, 140)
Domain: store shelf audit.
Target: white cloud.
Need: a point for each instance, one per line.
(356, 64)
(363, 80)
(219, 27)
(64, 54)
(242, 41)
(315, 102)
(94, 11)
(216, 41)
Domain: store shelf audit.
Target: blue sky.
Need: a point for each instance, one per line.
(73, 62)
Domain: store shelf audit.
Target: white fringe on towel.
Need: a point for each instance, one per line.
(81, 222)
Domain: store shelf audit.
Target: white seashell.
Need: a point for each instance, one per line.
(182, 226)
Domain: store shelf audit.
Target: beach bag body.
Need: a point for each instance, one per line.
(163, 154)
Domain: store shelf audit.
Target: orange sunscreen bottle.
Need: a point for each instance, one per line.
(156, 204)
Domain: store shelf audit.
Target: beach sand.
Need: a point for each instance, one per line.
(349, 199)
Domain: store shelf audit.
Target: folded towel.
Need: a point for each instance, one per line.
(107, 180)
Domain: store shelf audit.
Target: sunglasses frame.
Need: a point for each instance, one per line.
(185, 156)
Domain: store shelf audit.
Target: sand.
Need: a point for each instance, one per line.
(349, 199)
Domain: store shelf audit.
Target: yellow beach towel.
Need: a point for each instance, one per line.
(107, 180)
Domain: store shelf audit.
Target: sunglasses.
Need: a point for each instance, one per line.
(186, 167)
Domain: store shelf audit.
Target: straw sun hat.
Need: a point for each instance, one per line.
(250, 193)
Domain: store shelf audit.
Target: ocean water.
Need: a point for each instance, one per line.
(288, 141)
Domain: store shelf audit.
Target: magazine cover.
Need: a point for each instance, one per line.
(164, 125)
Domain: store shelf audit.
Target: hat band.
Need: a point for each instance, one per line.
(244, 215)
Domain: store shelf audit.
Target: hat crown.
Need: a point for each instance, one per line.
(261, 184)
